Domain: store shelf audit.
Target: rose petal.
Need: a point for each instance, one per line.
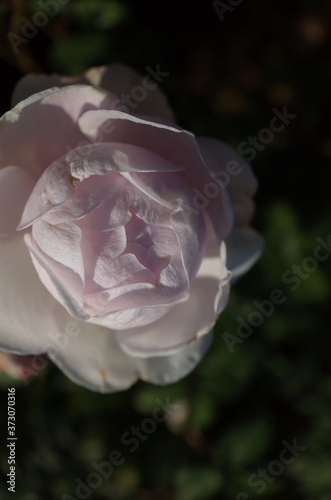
(60, 242)
(188, 223)
(51, 116)
(26, 309)
(15, 188)
(105, 158)
(244, 247)
(106, 368)
(134, 317)
(62, 282)
(237, 176)
(185, 323)
(140, 300)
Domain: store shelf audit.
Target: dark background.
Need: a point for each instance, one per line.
(236, 409)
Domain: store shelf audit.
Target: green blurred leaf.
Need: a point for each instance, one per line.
(246, 442)
(197, 483)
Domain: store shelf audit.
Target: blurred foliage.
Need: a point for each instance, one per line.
(236, 409)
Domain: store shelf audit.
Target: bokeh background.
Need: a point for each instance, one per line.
(236, 409)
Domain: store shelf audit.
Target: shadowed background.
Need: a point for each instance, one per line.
(237, 408)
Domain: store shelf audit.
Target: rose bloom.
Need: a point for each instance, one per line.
(119, 238)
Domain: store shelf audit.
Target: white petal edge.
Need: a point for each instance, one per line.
(94, 360)
(244, 247)
(27, 311)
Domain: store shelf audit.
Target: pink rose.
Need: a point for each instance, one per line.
(121, 236)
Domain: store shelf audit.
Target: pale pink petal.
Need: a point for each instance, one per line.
(188, 224)
(15, 188)
(62, 282)
(27, 310)
(192, 241)
(104, 158)
(230, 168)
(99, 251)
(42, 128)
(60, 242)
(136, 316)
(127, 301)
(53, 188)
(132, 293)
(164, 370)
(106, 368)
(58, 198)
(97, 206)
(120, 272)
(185, 323)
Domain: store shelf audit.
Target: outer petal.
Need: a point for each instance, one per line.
(241, 185)
(94, 359)
(186, 322)
(164, 370)
(116, 78)
(244, 247)
(15, 188)
(27, 310)
(38, 130)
